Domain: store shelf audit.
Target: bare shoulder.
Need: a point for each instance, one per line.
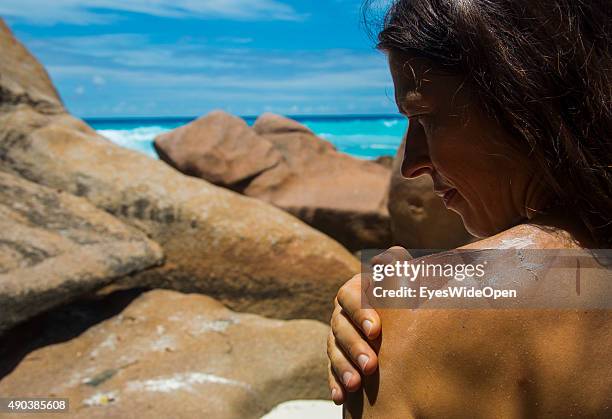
(492, 363)
(528, 236)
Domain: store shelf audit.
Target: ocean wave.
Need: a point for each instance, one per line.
(379, 139)
(381, 146)
(139, 139)
(359, 143)
(133, 135)
(390, 122)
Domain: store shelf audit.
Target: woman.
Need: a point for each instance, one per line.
(509, 104)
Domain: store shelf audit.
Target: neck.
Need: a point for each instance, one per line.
(565, 225)
(537, 201)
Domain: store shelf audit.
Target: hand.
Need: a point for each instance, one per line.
(354, 331)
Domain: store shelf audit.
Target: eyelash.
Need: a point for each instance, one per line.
(410, 118)
(417, 115)
(427, 124)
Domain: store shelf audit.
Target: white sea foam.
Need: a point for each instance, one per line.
(139, 139)
(365, 139)
(133, 135)
(391, 139)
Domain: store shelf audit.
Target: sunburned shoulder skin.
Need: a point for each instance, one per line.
(491, 362)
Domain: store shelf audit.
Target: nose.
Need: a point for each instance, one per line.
(416, 152)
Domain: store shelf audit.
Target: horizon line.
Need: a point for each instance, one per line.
(296, 117)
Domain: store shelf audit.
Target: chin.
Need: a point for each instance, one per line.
(478, 232)
(475, 228)
(473, 221)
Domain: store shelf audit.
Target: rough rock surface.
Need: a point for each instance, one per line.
(338, 194)
(248, 254)
(55, 247)
(272, 124)
(385, 161)
(23, 80)
(182, 356)
(419, 219)
(220, 148)
(297, 171)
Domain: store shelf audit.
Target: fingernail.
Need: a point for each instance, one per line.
(367, 326)
(362, 360)
(346, 378)
(334, 391)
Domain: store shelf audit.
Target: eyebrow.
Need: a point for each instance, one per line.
(412, 98)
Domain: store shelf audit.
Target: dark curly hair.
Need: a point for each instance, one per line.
(540, 67)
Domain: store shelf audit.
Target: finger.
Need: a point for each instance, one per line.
(342, 367)
(335, 386)
(353, 344)
(352, 301)
(391, 255)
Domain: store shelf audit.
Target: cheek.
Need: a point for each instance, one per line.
(462, 159)
(452, 152)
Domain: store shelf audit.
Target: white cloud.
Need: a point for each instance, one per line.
(134, 50)
(132, 58)
(337, 79)
(234, 40)
(98, 80)
(82, 12)
(190, 75)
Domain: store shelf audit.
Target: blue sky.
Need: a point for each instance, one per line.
(188, 57)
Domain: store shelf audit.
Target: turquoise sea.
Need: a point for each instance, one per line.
(363, 136)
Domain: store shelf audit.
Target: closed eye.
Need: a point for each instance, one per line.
(425, 121)
(416, 117)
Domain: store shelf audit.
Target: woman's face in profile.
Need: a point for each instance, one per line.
(477, 167)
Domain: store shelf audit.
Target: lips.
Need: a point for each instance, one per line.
(446, 195)
(443, 187)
